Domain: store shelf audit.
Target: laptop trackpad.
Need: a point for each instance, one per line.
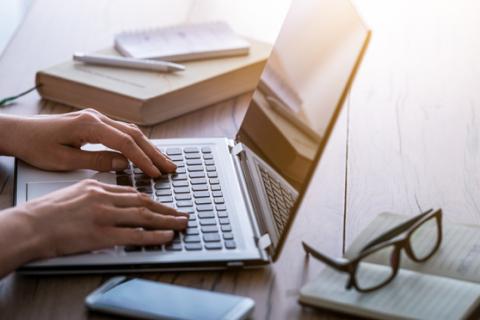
(40, 188)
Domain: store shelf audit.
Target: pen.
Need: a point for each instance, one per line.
(124, 62)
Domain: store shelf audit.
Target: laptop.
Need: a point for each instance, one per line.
(241, 194)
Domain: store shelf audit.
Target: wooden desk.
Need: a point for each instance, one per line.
(407, 140)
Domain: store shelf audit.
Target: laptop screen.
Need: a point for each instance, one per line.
(300, 94)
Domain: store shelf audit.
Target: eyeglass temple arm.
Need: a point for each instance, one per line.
(334, 263)
(395, 231)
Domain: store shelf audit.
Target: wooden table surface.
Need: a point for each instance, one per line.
(408, 138)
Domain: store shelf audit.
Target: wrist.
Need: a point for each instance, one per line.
(38, 245)
(9, 134)
(24, 245)
(20, 229)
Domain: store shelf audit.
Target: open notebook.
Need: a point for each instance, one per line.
(447, 286)
(183, 42)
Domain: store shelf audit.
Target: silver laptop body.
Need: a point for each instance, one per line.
(250, 242)
(242, 194)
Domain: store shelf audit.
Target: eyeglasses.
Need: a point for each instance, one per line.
(420, 237)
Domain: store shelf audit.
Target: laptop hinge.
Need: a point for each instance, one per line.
(237, 149)
(264, 241)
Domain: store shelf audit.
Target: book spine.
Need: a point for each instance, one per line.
(83, 96)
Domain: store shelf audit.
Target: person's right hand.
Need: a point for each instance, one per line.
(91, 215)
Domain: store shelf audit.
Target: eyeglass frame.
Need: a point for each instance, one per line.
(398, 236)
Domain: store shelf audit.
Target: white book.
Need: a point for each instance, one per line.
(447, 286)
(183, 42)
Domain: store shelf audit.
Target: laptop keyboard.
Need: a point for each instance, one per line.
(196, 189)
(280, 199)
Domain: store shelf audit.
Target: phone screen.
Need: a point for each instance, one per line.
(168, 301)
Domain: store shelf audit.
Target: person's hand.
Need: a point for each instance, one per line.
(91, 215)
(53, 142)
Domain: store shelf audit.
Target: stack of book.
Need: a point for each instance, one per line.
(146, 97)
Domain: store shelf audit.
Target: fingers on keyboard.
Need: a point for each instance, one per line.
(195, 190)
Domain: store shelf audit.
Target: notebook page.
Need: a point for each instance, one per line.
(180, 41)
(458, 256)
(409, 296)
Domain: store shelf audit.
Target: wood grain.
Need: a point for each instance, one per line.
(414, 123)
(52, 31)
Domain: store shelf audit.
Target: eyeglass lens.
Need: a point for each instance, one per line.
(368, 275)
(424, 239)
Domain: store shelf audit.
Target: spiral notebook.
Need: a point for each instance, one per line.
(447, 286)
(183, 42)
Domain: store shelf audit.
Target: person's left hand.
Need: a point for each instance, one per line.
(53, 142)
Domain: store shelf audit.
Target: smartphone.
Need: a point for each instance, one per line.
(146, 299)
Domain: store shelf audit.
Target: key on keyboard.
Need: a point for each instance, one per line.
(279, 199)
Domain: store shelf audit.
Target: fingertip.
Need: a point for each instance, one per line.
(169, 234)
(164, 208)
(155, 172)
(181, 213)
(167, 163)
(168, 169)
(171, 165)
(119, 163)
(182, 221)
(149, 169)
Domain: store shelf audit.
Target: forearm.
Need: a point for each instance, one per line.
(21, 243)
(9, 132)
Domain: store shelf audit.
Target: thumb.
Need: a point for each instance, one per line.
(96, 160)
